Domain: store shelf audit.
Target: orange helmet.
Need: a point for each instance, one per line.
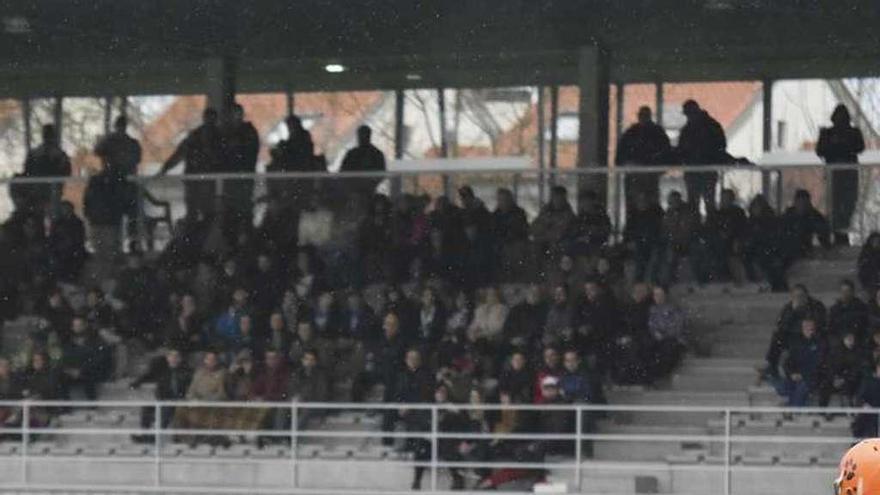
(860, 470)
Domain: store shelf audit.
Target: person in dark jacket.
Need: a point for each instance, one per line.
(522, 328)
(431, 322)
(46, 160)
(848, 314)
(643, 236)
(701, 142)
(681, 224)
(644, 143)
(629, 363)
(241, 144)
(867, 395)
(847, 364)
(763, 246)
(415, 385)
(510, 231)
(597, 321)
(804, 367)
(67, 244)
(202, 153)
(104, 206)
(801, 224)
(121, 155)
(552, 224)
(365, 157)
(788, 326)
(516, 379)
(725, 232)
(841, 144)
(590, 229)
(86, 359)
(869, 264)
(172, 377)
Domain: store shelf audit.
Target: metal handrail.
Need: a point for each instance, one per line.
(728, 438)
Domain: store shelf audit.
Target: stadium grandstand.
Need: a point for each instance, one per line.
(335, 247)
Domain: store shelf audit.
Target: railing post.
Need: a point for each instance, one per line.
(516, 187)
(434, 449)
(157, 444)
(829, 197)
(294, 419)
(578, 455)
(780, 186)
(25, 434)
(727, 477)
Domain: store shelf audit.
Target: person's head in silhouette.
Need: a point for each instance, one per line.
(50, 135)
(674, 200)
(691, 109)
(209, 117)
(645, 115)
(237, 114)
(840, 117)
(120, 124)
(294, 125)
(365, 135)
(803, 202)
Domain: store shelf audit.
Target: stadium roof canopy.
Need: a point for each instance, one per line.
(101, 47)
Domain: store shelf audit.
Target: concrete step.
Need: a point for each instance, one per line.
(749, 349)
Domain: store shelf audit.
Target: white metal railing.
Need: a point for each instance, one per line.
(573, 464)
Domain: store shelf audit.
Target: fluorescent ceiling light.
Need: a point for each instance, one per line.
(334, 68)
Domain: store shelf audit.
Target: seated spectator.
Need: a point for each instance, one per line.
(632, 342)
(868, 396)
(460, 317)
(172, 378)
(550, 368)
(763, 246)
(846, 367)
(643, 236)
(803, 368)
(279, 336)
(516, 379)
(396, 301)
(209, 381)
(848, 314)
(442, 257)
(140, 293)
(590, 229)
(67, 244)
(510, 231)
(308, 277)
(247, 340)
(99, 314)
(726, 231)
(869, 264)
(680, 238)
(86, 361)
(450, 449)
(382, 365)
(186, 329)
(485, 329)
(306, 338)
(560, 324)
(326, 317)
(478, 255)
(554, 421)
(577, 384)
(522, 328)
(226, 331)
(431, 322)
(58, 314)
(801, 224)
(552, 224)
(596, 322)
(241, 375)
(666, 326)
(788, 327)
(415, 384)
(41, 381)
(267, 288)
(9, 390)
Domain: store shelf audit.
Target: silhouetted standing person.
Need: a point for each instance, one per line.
(294, 154)
(241, 144)
(202, 153)
(121, 155)
(701, 142)
(841, 144)
(46, 160)
(365, 157)
(644, 143)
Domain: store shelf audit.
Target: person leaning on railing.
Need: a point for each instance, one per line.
(841, 144)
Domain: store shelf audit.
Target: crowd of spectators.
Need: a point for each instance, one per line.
(435, 300)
